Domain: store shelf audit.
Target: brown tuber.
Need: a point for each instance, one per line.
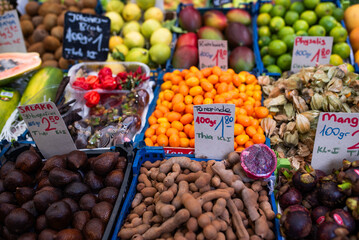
(76, 160)
(60, 177)
(16, 178)
(88, 201)
(108, 194)
(24, 194)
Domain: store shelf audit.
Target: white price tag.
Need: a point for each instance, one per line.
(213, 53)
(11, 39)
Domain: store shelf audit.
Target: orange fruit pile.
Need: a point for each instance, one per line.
(172, 123)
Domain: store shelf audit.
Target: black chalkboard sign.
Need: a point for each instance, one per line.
(86, 37)
(218, 3)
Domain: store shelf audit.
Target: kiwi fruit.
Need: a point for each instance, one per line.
(28, 161)
(94, 229)
(16, 178)
(74, 206)
(44, 199)
(19, 220)
(26, 27)
(76, 160)
(6, 168)
(64, 63)
(24, 194)
(5, 209)
(25, 17)
(28, 236)
(58, 53)
(2, 188)
(50, 21)
(47, 234)
(58, 32)
(37, 47)
(69, 3)
(114, 178)
(104, 163)
(88, 11)
(108, 194)
(51, 43)
(58, 215)
(74, 9)
(94, 181)
(7, 197)
(41, 223)
(54, 1)
(88, 201)
(47, 7)
(90, 4)
(41, 26)
(59, 161)
(76, 190)
(48, 56)
(80, 219)
(61, 19)
(69, 234)
(37, 20)
(50, 63)
(32, 7)
(30, 39)
(30, 207)
(80, 4)
(102, 210)
(39, 35)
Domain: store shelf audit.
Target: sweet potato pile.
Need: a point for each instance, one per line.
(180, 198)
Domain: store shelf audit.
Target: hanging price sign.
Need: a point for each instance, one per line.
(214, 130)
(11, 38)
(213, 53)
(309, 51)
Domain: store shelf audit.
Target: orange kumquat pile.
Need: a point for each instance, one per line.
(172, 123)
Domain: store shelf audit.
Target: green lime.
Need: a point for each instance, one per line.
(265, 8)
(275, 37)
(285, 3)
(316, 30)
(297, 7)
(300, 25)
(263, 31)
(285, 31)
(277, 10)
(289, 41)
(350, 67)
(311, 4)
(284, 62)
(274, 69)
(263, 19)
(301, 33)
(328, 22)
(323, 9)
(264, 41)
(290, 17)
(264, 51)
(276, 24)
(335, 60)
(309, 16)
(268, 60)
(332, 5)
(277, 48)
(339, 34)
(338, 13)
(342, 49)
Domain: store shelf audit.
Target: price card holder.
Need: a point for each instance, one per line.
(308, 51)
(213, 53)
(337, 138)
(47, 128)
(218, 3)
(86, 37)
(214, 130)
(11, 38)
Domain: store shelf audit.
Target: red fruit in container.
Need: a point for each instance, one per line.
(187, 39)
(216, 19)
(238, 35)
(185, 57)
(190, 19)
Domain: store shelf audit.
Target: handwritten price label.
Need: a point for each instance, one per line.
(308, 51)
(11, 39)
(337, 138)
(214, 130)
(47, 128)
(213, 53)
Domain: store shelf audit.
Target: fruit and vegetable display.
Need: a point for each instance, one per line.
(68, 196)
(316, 205)
(234, 26)
(187, 199)
(281, 23)
(172, 122)
(295, 102)
(351, 22)
(138, 33)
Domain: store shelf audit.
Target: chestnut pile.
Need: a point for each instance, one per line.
(320, 206)
(66, 197)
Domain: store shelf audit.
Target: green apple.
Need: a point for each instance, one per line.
(161, 35)
(149, 26)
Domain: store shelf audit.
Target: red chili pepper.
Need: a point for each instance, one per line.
(106, 71)
(109, 83)
(96, 85)
(92, 80)
(81, 83)
(92, 98)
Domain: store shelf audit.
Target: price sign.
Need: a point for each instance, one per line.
(86, 36)
(47, 128)
(337, 138)
(214, 130)
(11, 39)
(308, 51)
(218, 3)
(213, 53)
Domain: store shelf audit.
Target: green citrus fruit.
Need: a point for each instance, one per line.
(328, 22)
(285, 31)
(342, 49)
(284, 62)
(338, 14)
(264, 51)
(285, 3)
(263, 19)
(274, 69)
(350, 67)
(311, 4)
(332, 5)
(339, 34)
(289, 41)
(264, 41)
(268, 60)
(276, 24)
(300, 25)
(277, 48)
(309, 16)
(323, 9)
(316, 30)
(302, 33)
(290, 17)
(263, 31)
(275, 37)
(297, 7)
(277, 10)
(265, 8)
(335, 60)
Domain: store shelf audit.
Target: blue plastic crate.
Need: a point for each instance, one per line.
(153, 154)
(261, 67)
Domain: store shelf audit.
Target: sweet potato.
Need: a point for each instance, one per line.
(166, 196)
(192, 224)
(150, 165)
(207, 207)
(267, 209)
(193, 187)
(203, 180)
(250, 201)
(148, 191)
(170, 178)
(164, 210)
(142, 178)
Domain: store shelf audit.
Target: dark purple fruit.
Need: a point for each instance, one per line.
(343, 219)
(296, 222)
(76, 160)
(43, 183)
(122, 162)
(88, 201)
(114, 178)
(2, 188)
(94, 181)
(55, 161)
(44, 199)
(28, 161)
(24, 194)
(318, 214)
(47, 234)
(102, 211)
(5, 209)
(108, 194)
(80, 219)
(58, 215)
(94, 229)
(311, 200)
(9, 235)
(30, 207)
(41, 223)
(190, 19)
(6, 168)
(291, 197)
(28, 236)
(7, 197)
(304, 181)
(60, 177)
(238, 35)
(72, 203)
(330, 196)
(104, 163)
(326, 230)
(16, 178)
(69, 234)
(76, 190)
(320, 173)
(19, 220)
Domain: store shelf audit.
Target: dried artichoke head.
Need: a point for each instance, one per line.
(312, 116)
(321, 76)
(291, 138)
(289, 110)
